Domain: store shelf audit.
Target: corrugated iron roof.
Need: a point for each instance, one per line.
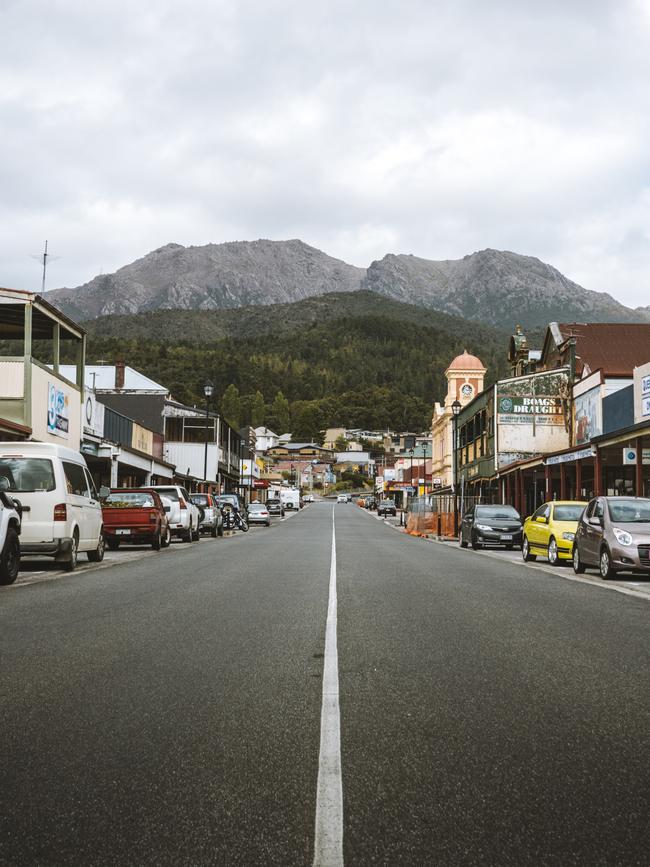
(616, 348)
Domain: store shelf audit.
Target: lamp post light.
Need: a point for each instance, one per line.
(208, 391)
(411, 453)
(455, 408)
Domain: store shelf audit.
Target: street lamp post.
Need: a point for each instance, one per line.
(455, 408)
(411, 453)
(208, 391)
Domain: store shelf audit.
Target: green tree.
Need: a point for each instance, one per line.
(280, 417)
(258, 409)
(341, 444)
(231, 405)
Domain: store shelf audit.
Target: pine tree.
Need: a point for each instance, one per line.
(280, 415)
(231, 405)
(258, 409)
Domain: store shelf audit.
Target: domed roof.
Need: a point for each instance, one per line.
(466, 362)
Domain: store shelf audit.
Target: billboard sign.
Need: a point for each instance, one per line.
(588, 416)
(58, 411)
(532, 415)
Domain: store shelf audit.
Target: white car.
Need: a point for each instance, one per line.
(342, 498)
(184, 517)
(61, 512)
(9, 540)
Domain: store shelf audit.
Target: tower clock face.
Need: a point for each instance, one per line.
(467, 390)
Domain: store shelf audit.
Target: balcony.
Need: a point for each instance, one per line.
(35, 397)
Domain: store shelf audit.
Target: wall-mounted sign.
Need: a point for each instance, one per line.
(629, 456)
(579, 455)
(531, 415)
(58, 411)
(93, 415)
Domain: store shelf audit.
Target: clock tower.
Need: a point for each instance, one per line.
(465, 377)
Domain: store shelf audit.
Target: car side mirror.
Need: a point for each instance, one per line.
(596, 522)
(104, 491)
(542, 520)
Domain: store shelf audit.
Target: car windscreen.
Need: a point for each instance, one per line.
(257, 507)
(129, 501)
(505, 513)
(567, 513)
(389, 503)
(23, 475)
(224, 500)
(199, 499)
(627, 511)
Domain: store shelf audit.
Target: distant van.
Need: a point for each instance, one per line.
(290, 498)
(61, 512)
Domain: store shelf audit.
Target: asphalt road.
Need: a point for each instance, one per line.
(167, 710)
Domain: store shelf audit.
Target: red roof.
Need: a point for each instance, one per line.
(466, 362)
(616, 348)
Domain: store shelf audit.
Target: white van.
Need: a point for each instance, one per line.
(290, 498)
(61, 512)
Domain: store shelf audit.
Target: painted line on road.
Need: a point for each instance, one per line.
(328, 838)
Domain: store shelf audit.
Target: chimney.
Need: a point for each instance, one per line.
(119, 374)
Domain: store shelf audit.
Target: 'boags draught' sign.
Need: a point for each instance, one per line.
(531, 415)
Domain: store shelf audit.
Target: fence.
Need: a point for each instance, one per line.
(434, 514)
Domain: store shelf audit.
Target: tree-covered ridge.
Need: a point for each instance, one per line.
(305, 373)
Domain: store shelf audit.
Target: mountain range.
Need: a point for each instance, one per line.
(490, 286)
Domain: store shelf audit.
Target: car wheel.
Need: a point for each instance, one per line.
(553, 556)
(10, 558)
(213, 532)
(97, 555)
(167, 538)
(188, 535)
(220, 530)
(71, 564)
(157, 541)
(525, 551)
(578, 566)
(475, 543)
(113, 544)
(461, 540)
(605, 565)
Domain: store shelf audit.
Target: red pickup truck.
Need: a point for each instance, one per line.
(135, 516)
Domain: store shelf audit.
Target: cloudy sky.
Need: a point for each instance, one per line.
(433, 127)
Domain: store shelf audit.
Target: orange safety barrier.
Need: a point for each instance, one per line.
(426, 523)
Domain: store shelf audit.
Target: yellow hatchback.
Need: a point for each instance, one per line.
(550, 531)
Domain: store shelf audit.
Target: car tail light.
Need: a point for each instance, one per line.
(153, 517)
(60, 512)
(182, 503)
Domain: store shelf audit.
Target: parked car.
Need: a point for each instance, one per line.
(490, 525)
(342, 498)
(258, 514)
(135, 517)
(275, 507)
(212, 522)
(550, 531)
(9, 539)
(386, 507)
(614, 535)
(61, 512)
(184, 517)
(309, 498)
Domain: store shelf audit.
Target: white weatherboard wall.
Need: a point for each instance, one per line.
(190, 457)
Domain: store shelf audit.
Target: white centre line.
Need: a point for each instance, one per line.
(328, 840)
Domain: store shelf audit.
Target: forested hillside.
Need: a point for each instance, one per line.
(355, 360)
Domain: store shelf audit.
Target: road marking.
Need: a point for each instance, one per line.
(328, 840)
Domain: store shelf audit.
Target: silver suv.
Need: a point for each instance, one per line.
(613, 535)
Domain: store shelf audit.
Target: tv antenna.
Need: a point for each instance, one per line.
(44, 258)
